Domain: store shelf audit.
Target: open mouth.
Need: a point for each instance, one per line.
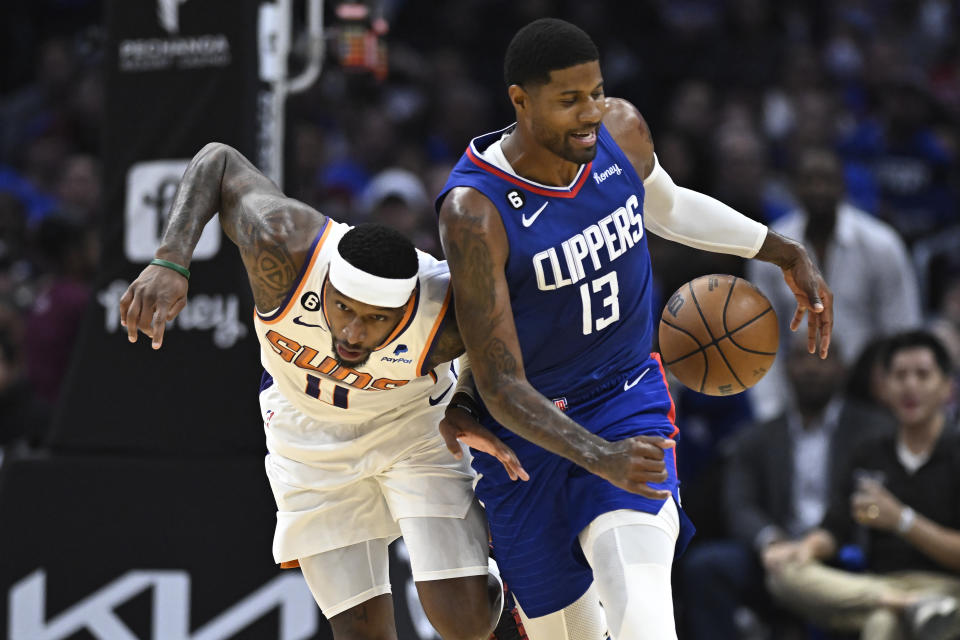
(585, 138)
(349, 354)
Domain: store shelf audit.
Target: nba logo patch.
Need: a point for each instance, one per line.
(561, 403)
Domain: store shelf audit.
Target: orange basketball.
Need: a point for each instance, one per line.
(718, 335)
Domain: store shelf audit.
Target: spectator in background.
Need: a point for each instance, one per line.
(70, 253)
(865, 261)
(38, 106)
(776, 487)
(867, 376)
(899, 500)
(398, 199)
(946, 321)
(78, 189)
(911, 164)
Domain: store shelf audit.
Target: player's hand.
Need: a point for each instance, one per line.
(814, 299)
(153, 299)
(459, 426)
(636, 463)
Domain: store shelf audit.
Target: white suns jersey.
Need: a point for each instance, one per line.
(297, 352)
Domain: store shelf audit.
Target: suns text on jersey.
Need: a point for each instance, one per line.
(306, 358)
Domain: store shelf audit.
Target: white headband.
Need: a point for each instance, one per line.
(368, 288)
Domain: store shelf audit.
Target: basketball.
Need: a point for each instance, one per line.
(718, 335)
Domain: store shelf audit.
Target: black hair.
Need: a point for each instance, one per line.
(380, 251)
(543, 46)
(918, 339)
(859, 377)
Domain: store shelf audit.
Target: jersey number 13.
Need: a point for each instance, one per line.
(608, 310)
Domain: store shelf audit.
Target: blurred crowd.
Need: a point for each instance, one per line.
(833, 121)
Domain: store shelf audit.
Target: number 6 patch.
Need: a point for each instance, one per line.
(516, 199)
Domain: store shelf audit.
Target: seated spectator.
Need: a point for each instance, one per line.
(69, 252)
(776, 487)
(866, 377)
(910, 161)
(863, 259)
(899, 500)
(397, 198)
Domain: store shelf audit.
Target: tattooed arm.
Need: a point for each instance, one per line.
(449, 344)
(273, 233)
(476, 246)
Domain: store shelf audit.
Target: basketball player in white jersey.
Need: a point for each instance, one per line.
(357, 341)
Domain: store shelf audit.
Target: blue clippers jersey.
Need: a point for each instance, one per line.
(578, 269)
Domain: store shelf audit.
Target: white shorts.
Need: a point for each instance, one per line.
(339, 484)
(439, 548)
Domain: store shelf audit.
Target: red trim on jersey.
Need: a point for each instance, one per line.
(672, 414)
(558, 192)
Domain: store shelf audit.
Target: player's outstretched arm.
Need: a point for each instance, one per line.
(702, 222)
(475, 243)
(273, 233)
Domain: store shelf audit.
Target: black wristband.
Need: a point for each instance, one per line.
(467, 407)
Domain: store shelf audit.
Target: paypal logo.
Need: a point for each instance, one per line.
(401, 348)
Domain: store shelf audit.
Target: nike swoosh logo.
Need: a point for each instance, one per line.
(300, 322)
(529, 221)
(629, 385)
(435, 401)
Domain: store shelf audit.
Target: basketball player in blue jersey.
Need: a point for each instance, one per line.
(544, 224)
(357, 341)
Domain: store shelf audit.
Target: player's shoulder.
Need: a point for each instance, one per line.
(434, 277)
(465, 202)
(630, 132)
(623, 119)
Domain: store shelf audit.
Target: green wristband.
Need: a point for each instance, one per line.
(172, 265)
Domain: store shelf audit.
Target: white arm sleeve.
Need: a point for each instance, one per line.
(697, 220)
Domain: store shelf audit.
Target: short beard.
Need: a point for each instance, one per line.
(560, 145)
(345, 363)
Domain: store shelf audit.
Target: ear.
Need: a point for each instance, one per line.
(519, 98)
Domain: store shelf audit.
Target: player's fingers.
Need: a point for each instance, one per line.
(826, 330)
(797, 318)
(647, 450)
(654, 443)
(176, 308)
(812, 289)
(450, 433)
(813, 325)
(511, 463)
(158, 323)
(125, 301)
(665, 443)
(133, 317)
(649, 465)
(647, 491)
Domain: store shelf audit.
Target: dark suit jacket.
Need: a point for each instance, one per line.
(759, 473)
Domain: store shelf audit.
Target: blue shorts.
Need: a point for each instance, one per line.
(535, 524)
